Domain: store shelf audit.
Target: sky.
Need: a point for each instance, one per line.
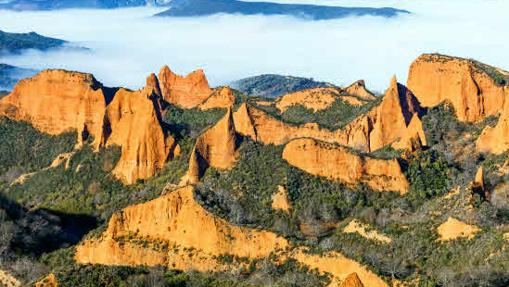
(125, 45)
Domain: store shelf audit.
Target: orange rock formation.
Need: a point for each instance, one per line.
(186, 92)
(352, 280)
(280, 200)
(134, 122)
(177, 220)
(394, 121)
(8, 280)
(465, 84)
(340, 267)
(496, 139)
(48, 281)
(388, 123)
(359, 89)
(260, 126)
(453, 229)
(364, 230)
(221, 98)
(56, 101)
(176, 231)
(216, 147)
(339, 163)
(316, 99)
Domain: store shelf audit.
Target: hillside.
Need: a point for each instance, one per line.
(273, 86)
(17, 42)
(191, 8)
(183, 184)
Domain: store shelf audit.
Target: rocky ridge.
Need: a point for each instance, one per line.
(181, 234)
(474, 90)
(338, 163)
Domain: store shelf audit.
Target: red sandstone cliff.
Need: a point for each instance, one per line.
(338, 163)
(467, 85)
(56, 101)
(185, 92)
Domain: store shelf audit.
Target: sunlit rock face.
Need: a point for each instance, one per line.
(221, 98)
(396, 120)
(496, 139)
(185, 92)
(339, 163)
(178, 220)
(216, 147)
(135, 127)
(474, 90)
(57, 101)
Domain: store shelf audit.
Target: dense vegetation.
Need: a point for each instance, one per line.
(336, 116)
(42, 217)
(17, 42)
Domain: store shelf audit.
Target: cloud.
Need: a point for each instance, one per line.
(127, 44)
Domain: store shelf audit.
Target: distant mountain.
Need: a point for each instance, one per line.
(17, 42)
(272, 86)
(65, 4)
(10, 75)
(188, 8)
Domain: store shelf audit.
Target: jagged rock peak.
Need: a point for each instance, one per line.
(216, 147)
(392, 117)
(185, 92)
(358, 89)
(134, 122)
(57, 101)
(221, 98)
(475, 90)
(176, 219)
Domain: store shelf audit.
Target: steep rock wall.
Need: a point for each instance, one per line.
(56, 101)
(216, 147)
(186, 92)
(339, 163)
(465, 84)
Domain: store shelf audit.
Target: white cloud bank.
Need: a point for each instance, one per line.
(128, 44)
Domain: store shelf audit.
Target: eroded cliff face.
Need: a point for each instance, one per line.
(257, 124)
(177, 220)
(56, 101)
(317, 99)
(395, 121)
(467, 85)
(340, 267)
(496, 139)
(359, 89)
(174, 230)
(133, 119)
(186, 92)
(221, 98)
(216, 147)
(339, 163)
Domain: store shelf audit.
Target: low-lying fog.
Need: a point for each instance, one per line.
(127, 44)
